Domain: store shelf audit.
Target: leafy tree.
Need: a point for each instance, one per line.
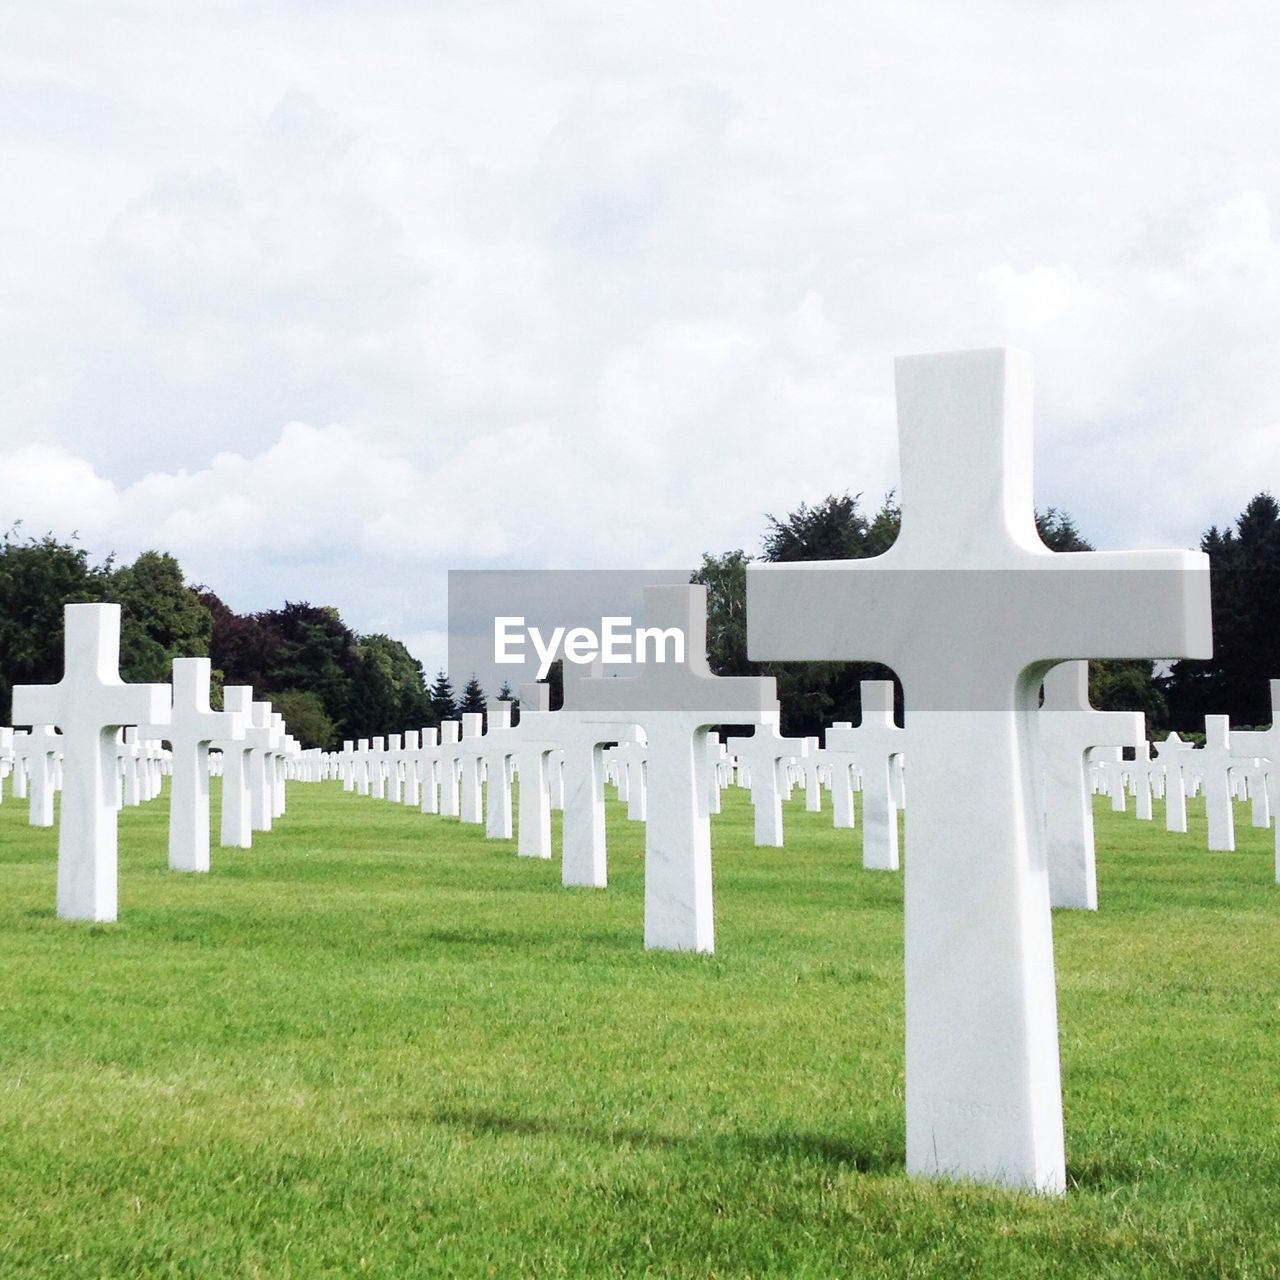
(813, 694)
(37, 577)
(161, 617)
(442, 698)
(244, 648)
(387, 691)
(835, 529)
(306, 718)
(317, 653)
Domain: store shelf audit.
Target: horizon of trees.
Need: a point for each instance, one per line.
(1245, 585)
(332, 683)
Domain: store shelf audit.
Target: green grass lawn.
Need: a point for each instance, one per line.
(380, 1044)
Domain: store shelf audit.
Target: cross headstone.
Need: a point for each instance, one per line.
(1068, 728)
(89, 705)
(450, 736)
(766, 753)
(1173, 753)
(535, 737)
(1214, 759)
(236, 827)
(498, 744)
(970, 608)
(6, 756)
(676, 703)
(35, 752)
(189, 730)
(471, 754)
(1264, 744)
(875, 744)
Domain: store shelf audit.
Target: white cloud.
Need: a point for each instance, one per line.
(576, 287)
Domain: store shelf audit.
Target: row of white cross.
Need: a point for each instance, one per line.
(77, 725)
(973, 612)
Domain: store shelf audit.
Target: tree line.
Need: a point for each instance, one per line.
(329, 681)
(1245, 586)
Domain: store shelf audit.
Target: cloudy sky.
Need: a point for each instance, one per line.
(329, 297)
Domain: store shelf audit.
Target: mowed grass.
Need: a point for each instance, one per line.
(378, 1043)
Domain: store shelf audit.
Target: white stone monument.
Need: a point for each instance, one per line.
(190, 729)
(1069, 727)
(676, 703)
(969, 608)
(89, 705)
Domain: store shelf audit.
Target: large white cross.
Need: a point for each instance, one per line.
(875, 744)
(191, 727)
(1068, 728)
(89, 704)
(969, 607)
(675, 703)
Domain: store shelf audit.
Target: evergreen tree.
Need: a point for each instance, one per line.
(507, 694)
(1245, 589)
(473, 700)
(442, 698)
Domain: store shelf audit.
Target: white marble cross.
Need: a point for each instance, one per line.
(875, 744)
(535, 739)
(1173, 753)
(675, 703)
(1264, 744)
(236, 827)
(584, 861)
(89, 705)
(1214, 759)
(263, 740)
(450, 736)
(498, 746)
(1069, 727)
(190, 729)
(471, 753)
(766, 754)
(969, 608)
(7, 760)
(34, 752)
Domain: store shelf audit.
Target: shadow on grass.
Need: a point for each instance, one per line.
(813, 1148)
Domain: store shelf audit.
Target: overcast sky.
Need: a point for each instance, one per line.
(329, 297)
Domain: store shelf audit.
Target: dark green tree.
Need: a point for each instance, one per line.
(473, 699)
(161, 617)
(387, 692)
(442, 698)
(306, 718)
(813, 694)
(1245, 588)
(37, 577)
